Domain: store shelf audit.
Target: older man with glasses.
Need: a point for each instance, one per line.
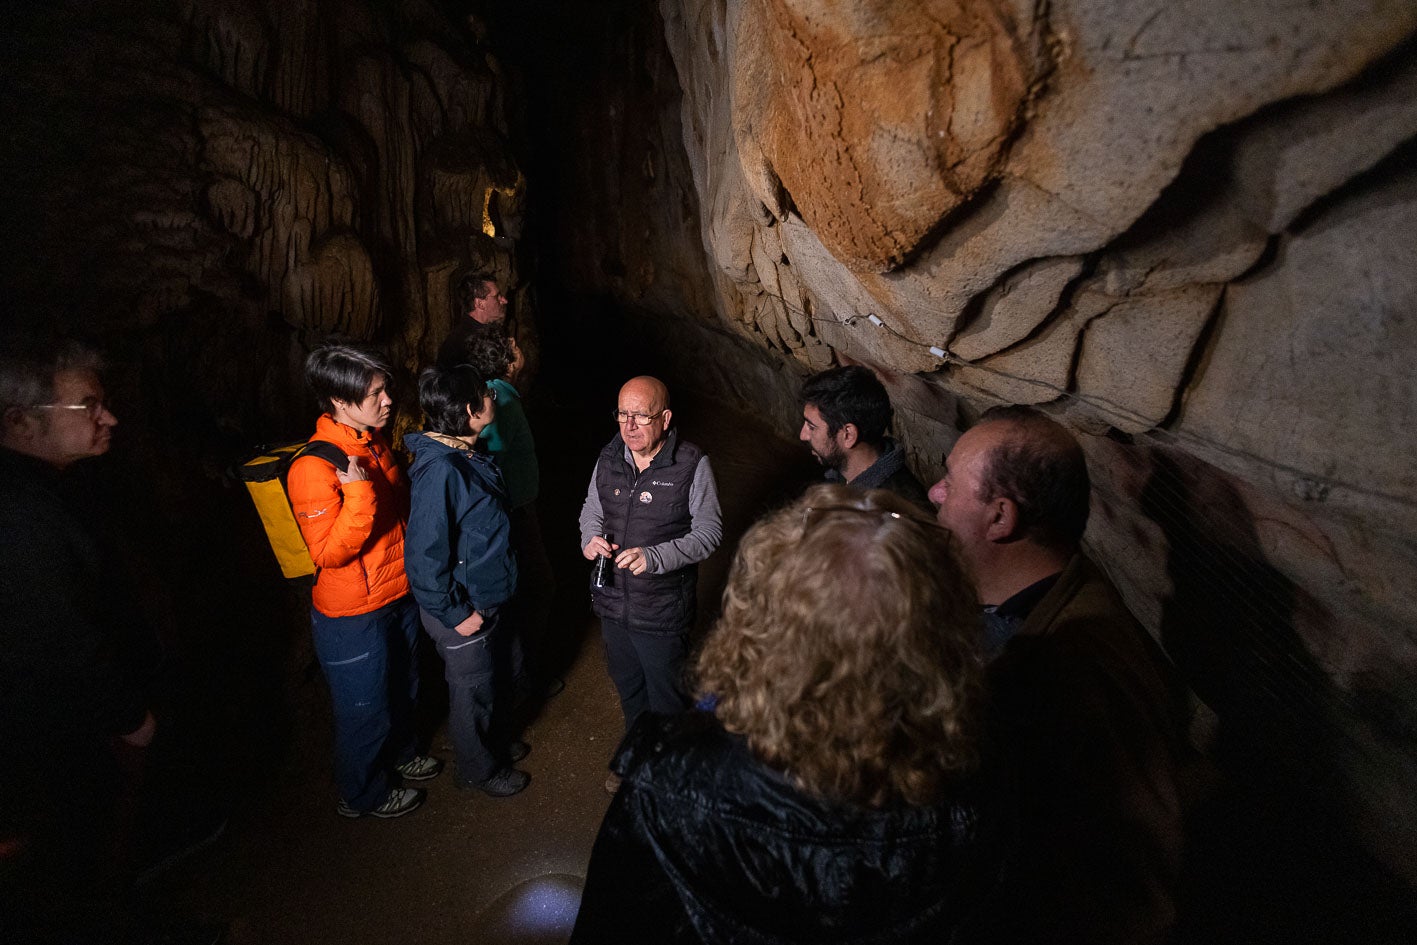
(73, 710)
(652, 507)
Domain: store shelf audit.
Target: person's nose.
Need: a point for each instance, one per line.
(106, 417)
(938, 492)
(804, 434)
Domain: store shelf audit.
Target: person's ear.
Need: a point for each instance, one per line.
(1003, 519)
(848, 436)
(667, 415)
(19, 424)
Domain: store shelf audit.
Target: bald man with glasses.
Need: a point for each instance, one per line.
(654, 495)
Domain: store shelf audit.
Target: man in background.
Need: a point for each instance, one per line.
(478, 302)
(845, 415)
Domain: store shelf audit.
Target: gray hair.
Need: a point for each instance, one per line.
(29, 363)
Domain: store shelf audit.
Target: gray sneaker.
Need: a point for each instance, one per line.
(401, 800)
(504, 783)
(420, 768)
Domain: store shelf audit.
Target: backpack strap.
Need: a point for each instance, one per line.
(323, 449)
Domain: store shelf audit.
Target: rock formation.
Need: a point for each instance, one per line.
(1181, 227)
(222, 167)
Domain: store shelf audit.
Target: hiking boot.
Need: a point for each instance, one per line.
(504, 783)
(518, 750)
(400, 801)
(612, 783)
(420, 768)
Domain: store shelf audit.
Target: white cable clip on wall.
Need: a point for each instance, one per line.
(936, 351)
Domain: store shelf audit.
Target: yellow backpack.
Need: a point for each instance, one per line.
(264, 475)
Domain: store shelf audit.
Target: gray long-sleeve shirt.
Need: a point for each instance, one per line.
(705, 517)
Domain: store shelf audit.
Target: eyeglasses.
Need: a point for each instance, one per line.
(95, 406)
(640, 419)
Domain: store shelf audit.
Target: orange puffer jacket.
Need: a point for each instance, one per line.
(355, 530)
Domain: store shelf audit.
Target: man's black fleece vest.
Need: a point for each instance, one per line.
(641, 510)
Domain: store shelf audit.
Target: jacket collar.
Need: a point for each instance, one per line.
(451, 442)
(887, 464)
(1045, 613)
(328, 428)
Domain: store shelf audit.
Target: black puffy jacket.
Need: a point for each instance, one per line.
(705, 844)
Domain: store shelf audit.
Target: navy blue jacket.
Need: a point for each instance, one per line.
(458, 551)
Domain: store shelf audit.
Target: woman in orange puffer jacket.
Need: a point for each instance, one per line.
(365, 623)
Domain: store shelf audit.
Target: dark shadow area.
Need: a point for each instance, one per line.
(218, 641)
(1273, 855)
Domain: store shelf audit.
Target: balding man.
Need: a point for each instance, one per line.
(1080, 699)
(654, 495)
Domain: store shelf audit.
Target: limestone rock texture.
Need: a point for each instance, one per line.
(211, 187)
(1185, 228)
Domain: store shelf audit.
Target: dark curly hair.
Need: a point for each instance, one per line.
(488, 349)
(851, 394)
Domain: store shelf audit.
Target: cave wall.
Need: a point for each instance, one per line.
(210, 187)
(1184, 229)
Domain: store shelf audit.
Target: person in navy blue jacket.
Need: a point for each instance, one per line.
(462, 572)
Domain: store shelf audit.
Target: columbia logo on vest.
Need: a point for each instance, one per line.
(659, 482)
